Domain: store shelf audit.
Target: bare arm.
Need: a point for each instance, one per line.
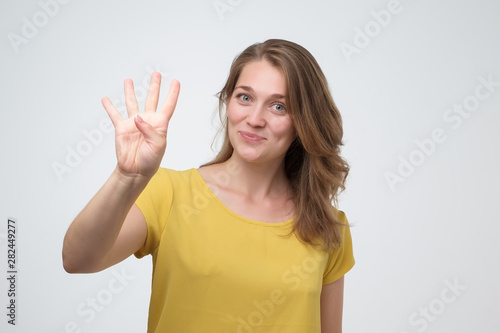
(105, 232)
(332, 302)
(110, 228)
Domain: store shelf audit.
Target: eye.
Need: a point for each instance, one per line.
(279, 108)
(244, 98)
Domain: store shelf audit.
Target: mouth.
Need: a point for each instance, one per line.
(251, 137)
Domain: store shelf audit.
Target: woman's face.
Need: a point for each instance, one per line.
(259, 126)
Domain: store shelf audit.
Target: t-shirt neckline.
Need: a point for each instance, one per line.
(239, 217)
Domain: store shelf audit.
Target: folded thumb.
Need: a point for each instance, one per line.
(150, 134)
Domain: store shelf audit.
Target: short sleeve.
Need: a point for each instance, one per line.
(155, 202)
(341, 259)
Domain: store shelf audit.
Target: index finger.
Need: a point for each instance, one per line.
(168, 106)
(113, 113)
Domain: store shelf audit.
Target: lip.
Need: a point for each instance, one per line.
(247, 136)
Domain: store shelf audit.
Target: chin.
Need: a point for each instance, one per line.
(249, 157)
(257, 158)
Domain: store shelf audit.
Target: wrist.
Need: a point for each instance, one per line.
(130, 181)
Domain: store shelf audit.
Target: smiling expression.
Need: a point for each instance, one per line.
(259, 126)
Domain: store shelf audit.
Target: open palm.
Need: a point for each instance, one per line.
(141, 139)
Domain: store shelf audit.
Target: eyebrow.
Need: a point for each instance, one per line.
(250, 89)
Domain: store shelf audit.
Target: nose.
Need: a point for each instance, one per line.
(256, 116)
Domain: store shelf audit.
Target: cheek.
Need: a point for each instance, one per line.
(284, 127)
(234, 118)
(233, 112)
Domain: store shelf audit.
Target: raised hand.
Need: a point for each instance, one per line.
(141, 139)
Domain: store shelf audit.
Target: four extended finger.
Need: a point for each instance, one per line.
(171, 101)
(153, 93)
(130, 99)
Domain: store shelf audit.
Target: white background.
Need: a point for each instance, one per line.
(437, 227)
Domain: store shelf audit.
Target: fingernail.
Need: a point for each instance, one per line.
(139, 119)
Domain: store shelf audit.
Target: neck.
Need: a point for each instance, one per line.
(257, 181)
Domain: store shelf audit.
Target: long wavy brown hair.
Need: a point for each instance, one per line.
(313, 164)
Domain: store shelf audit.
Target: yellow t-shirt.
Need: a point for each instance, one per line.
(215, 271)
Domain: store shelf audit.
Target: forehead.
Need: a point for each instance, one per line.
(262, 77)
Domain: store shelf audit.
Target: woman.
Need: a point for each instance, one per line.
(250, 241)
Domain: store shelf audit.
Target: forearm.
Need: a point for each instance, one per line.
(332, 303)
(94, 231)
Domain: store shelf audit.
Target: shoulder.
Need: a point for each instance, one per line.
(340, 215)
(208, 173)
(180, 183)
(167, 180)
(218, 176)
(173, 175)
